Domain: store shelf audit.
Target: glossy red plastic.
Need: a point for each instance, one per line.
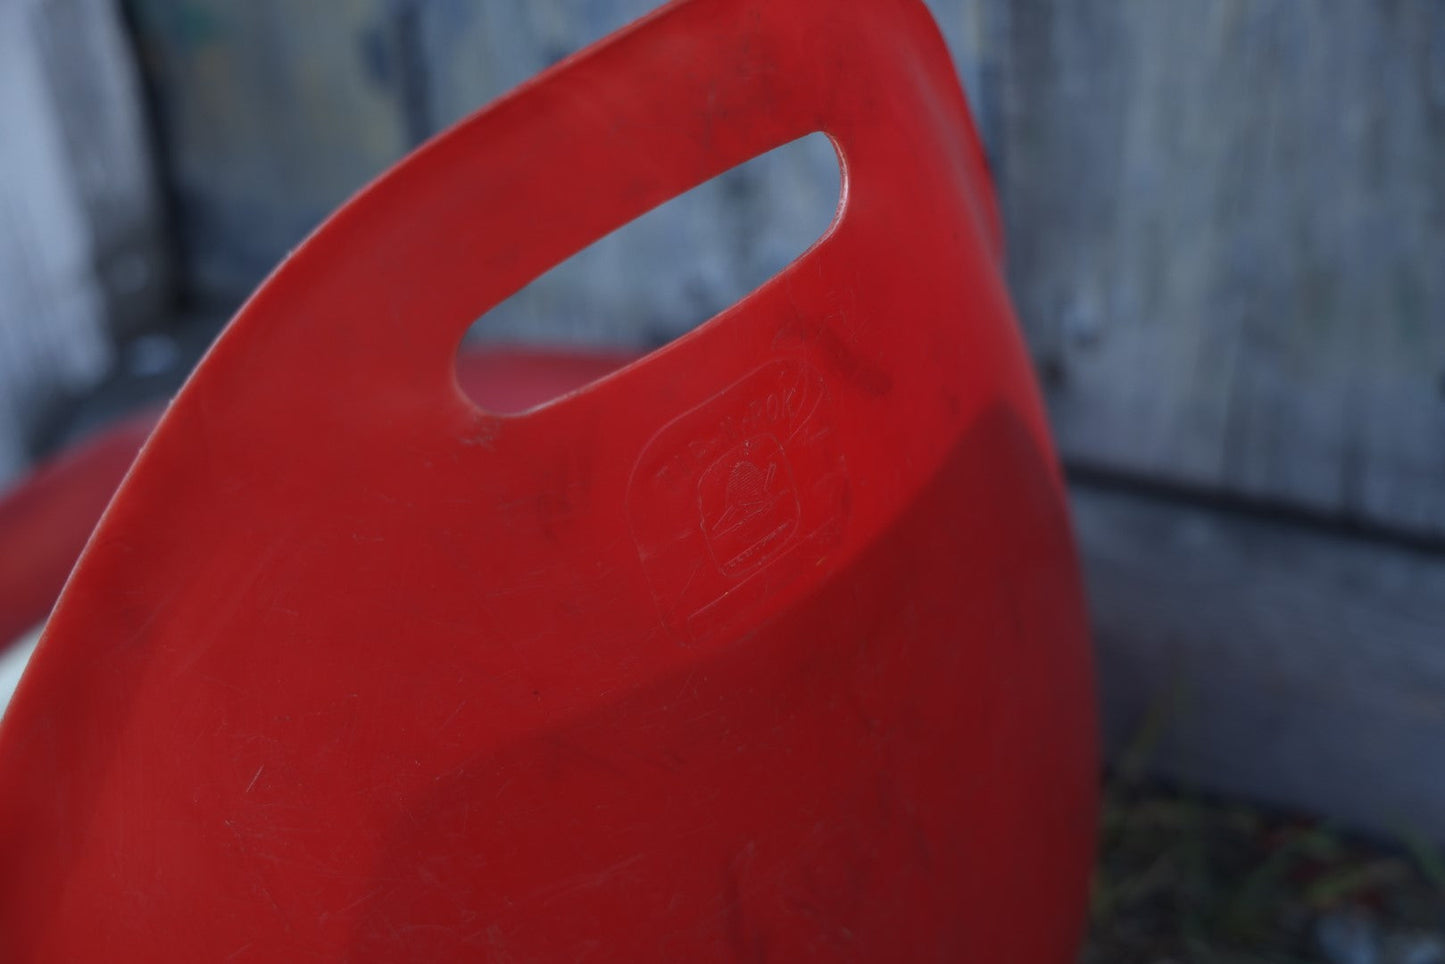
(46, 518)
(769, 645)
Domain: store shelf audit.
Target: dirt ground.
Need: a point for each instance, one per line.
(1183, 878)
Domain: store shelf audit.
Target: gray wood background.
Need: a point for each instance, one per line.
(81, 251)
(1228, 242)
(1226, 227)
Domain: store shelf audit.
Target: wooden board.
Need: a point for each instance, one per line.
(272, 113)
(1292, 666)
(96, 100)
(1227, 234)
(81, 253)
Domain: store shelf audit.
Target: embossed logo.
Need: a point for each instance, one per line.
(738, 497)
(749, 505)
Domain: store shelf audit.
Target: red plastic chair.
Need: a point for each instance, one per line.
(768, 646)
(46, 518)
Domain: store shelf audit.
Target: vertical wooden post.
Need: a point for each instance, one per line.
(80, 228)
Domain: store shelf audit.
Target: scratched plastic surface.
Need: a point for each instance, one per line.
(768, 646)
(46, 518)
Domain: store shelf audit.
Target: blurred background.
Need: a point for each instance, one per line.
(1226, 242)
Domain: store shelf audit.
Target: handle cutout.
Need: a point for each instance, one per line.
(663, 274)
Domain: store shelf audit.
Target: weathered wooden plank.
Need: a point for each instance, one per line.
(79, 222)
(1227, 223)
(97, 101)
(272, 113)
(1296, 667)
